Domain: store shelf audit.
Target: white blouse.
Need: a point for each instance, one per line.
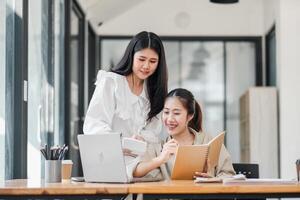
(114, 108)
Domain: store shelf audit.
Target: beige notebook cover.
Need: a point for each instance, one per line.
(192, 158)
(214, 148)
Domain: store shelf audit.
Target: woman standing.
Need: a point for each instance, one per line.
(130, 97)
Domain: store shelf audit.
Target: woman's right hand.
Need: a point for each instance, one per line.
(168, 150)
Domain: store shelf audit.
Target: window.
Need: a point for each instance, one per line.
(40, 85)
(45, 80)
(75, 85)
(15, 157)
(32, 54)
(2, 89)
(202, 72)
(111, 52)
(240, 75)
(59, 80)
(199, 67)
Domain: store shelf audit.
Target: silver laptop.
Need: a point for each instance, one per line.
(102, 159)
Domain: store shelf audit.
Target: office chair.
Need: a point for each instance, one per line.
(248, 169)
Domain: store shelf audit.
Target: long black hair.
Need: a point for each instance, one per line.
(191, 105)
(157, 83)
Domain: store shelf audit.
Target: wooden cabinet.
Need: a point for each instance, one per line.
(259, 129)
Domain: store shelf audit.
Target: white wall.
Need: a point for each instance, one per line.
(286, 17)
(288, 68)
(270, 14)
(190, 17)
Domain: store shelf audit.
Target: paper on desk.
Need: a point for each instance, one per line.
(258, 181)
(208, 180)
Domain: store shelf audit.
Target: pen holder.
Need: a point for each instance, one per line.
(52, 171)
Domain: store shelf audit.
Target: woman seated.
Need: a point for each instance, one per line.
(182, 118)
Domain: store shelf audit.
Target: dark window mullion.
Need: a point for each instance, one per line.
(225, 85)
(48, 7)
(24, 103)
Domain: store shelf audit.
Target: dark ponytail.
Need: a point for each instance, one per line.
(196, 121)
(191, 105)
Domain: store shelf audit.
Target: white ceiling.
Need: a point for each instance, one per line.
(101, 11)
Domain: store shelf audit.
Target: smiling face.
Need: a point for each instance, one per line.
(145, 63)
(175, 117)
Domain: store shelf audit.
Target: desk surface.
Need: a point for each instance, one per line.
(31, 187)
(28, 187)
(189, 187)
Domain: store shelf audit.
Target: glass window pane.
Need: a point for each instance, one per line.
(13, 19)
(59, 83)
(77, 88)
(2, 88)
(172, 51)
(240, 72)
(74, 62)
(39, 86)
(111, 52)
(203, 74)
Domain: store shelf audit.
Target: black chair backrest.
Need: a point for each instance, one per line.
(248, 169)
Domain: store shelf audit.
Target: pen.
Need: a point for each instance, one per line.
(55, 152)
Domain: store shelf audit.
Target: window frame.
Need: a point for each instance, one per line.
(16, 91)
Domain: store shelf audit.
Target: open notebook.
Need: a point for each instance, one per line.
(192, 158)
(259, 181)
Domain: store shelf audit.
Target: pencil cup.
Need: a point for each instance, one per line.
(52, 171)
(66, 169)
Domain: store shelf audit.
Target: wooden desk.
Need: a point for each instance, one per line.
(21, 189)
(189, 190)
(25, 189)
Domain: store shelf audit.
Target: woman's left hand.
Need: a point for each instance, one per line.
(202, 174)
